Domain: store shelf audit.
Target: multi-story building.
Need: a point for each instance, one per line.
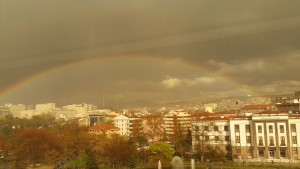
(213, 131)
(288, 107)
(285, 98)
(241, 137)
(255, 108)
(271, 135)
(45, 108)
(82, 110)
(130, 126)
(4, 110)
(135, 126)
(94, 119)
(264, 136)
(16, 110)
(122, 122)
(175, 121)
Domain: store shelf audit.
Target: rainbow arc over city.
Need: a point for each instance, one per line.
(67, 65)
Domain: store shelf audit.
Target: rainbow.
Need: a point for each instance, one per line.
(56, 69)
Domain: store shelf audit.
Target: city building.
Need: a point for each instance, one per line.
(64, 114)
(211, 131)
(135, 127)
(122, 122)
(94, 119)
(211, 107)
(82, 110)
(45, 108)
(286, 98)
(287, 107)
(255, 108)
(4, 110)
(129, 126)
(16, 110)
(267, 136)
(176, 120)
(106, 129)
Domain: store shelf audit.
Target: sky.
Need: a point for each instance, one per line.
(152, 51)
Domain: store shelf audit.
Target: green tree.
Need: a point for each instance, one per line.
(91, 160)
(161, 151)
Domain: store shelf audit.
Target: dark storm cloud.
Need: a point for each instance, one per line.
(256, 43)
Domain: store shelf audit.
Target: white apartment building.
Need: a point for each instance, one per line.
(82, 110)
(16, 110)
(175, 120)
(27, 114)
(45, 108)
(129, 126)
(122, 122)
(212, 131)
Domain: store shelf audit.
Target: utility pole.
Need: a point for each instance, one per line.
(102, 99)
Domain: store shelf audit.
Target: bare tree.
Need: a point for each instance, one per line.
(202, 128)
(153, 127)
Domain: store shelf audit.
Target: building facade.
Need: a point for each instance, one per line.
(268, 136)
(175, 121)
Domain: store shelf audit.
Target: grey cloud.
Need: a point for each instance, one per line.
(255, 42)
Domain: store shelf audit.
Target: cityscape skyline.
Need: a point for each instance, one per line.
(128, 54)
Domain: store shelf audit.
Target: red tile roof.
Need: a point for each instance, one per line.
(297, 116)
(256, 106)
(270, 112)
(104, 127)
(216, 118)
(240, 117)
(286, 104)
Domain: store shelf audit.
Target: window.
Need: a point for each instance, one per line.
(249, 150)
(197, 128)
(237, 139)
(206, 138)
(216, 128)
(237, 128)
(226, 138)
(226, 128)
(272, 141)
(248, 138)
(206, 128)
(247, 128)
(295, 150)
(260, 141)
(217, 138)
(270, 129)
(293, 128)
(238, 150)
(281, 128)
(282, 152)
(282, 141)
(294, 139)
(271, 153)
(228, 148)
(261, 151)
(259, 129)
